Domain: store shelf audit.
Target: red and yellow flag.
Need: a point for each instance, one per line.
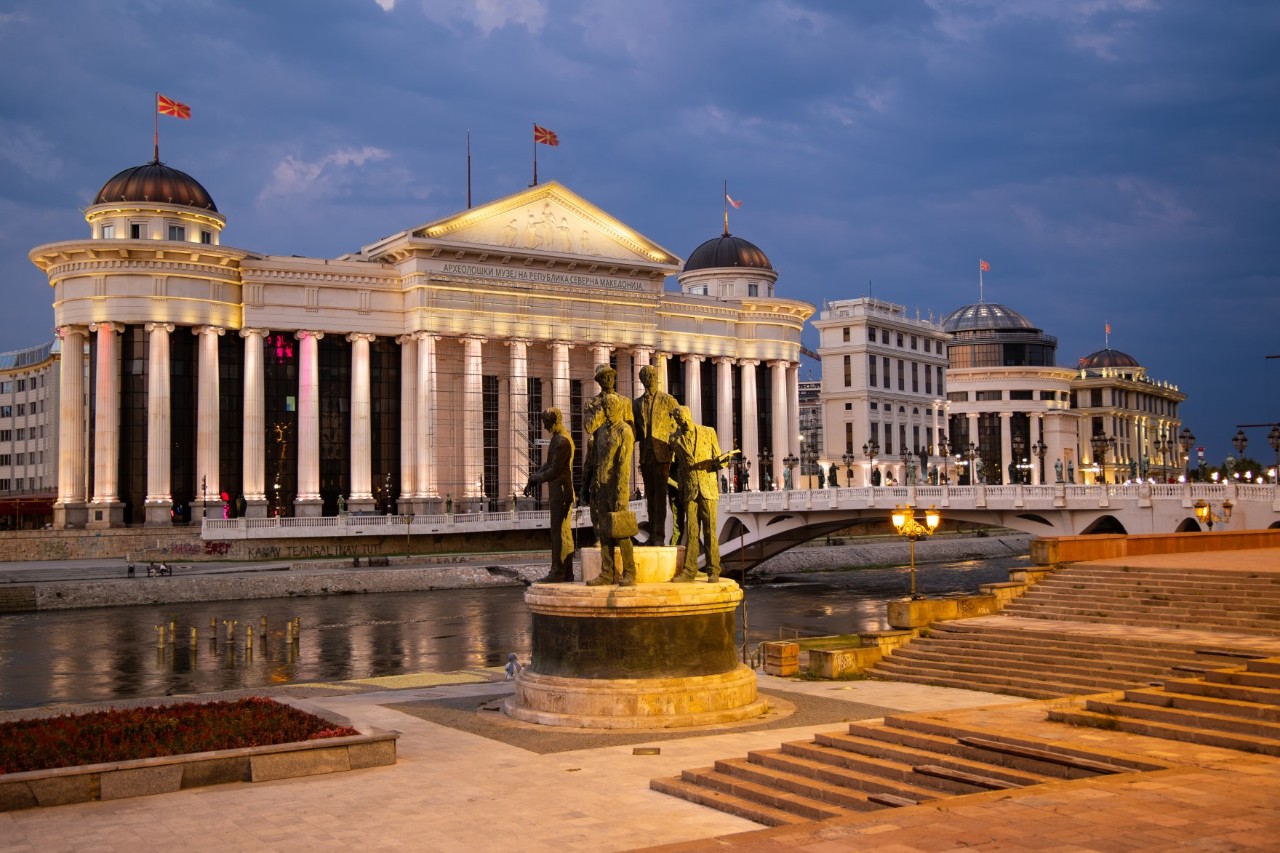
(984, 266)
(544, 136)
(169, 107)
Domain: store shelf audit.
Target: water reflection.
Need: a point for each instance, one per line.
(112, 653)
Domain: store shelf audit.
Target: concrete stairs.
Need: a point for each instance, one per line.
(1237, 601)
(1022, 657)
(901, 761)
(1237, 708)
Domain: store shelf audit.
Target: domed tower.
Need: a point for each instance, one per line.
(728, 267)
(155, 202)
(991, 335)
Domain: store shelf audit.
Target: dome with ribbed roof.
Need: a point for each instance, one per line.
(155, 182)
(1108, 358)
(727, 251)
(985, 316)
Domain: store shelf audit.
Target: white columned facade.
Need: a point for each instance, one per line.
(693, 385)
(159, 500)
(425, 481)
(69, 509)
(724, 402)
(600, 355)
(1006, 451)
(107, 509)
(560, 377)
(208, 435)
(255, 424)
(521, 417)
(639, 358)
(473, 421)
(750, 418)
(361, 497)
(781, 421)
(793, 407)
(408, 417)
(307, 502)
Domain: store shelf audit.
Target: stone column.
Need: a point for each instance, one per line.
(639, 358)
(781, 421)
(793, 406)
(255, 425)
(69, 510)
(408, 420)
(1006, 451)
(975, 440)
(361, 497)
(208, 437)
(750, 421)
(107, 510)
(724, 401)
(159, 500)
(308, 503)
(428, 497)
(521, 419)
(1037, 434)
(560, 377)
(600, 355)
(693, 385)
(473, 424)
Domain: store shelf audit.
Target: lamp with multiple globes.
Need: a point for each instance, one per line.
(871, 450)
(1186, 440)
(848, 458)
(1101, 446)
(909, 527)
(1039, 448)
(943, 450)
(790, 461)
(1019, 444)
(1206, 515)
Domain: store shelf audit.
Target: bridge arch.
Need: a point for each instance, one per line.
(1104, 524)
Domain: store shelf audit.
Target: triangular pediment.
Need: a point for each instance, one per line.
(550, 220)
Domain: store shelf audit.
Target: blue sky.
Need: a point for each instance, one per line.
(1114, 160)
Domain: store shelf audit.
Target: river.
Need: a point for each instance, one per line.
(73, 656)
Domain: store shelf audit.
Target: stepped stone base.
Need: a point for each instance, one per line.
(654, 564)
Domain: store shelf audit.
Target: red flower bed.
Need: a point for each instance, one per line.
(125, 734)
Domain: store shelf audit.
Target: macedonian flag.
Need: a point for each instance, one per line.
(169, 107)
(544, 136)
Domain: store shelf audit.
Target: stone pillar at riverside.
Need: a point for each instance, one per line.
(653, 655)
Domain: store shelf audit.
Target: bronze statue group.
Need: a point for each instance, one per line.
(671, 446)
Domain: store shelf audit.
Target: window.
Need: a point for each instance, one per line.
(753, 290)
(938, 370)
(6, 411)
(177, 232)
(845, 334)
(20, 434)
(871, 334)
(4, 485)
(848, 371)
(20, 459)
(6, 435)
(899, 338)
(1016, 394)
(6, 387)
(871, 371)
(958, 396)
(206, 237)
(1046, 395)
(874, 406)
(22, 384)
(915, 377)
(884, 336)
(6, 459)
(928, 380)
(988, 395)
(108, 232)
(1095, 398)
(902, 375)
(913, 341)
(22, 409)
(884, 362)
(848, 407)
(135, 230)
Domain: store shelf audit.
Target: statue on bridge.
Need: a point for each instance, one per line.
(1071, 471)
(654, 413)
(833, 477)
(558, 471)
(911, 471)
(822, 476)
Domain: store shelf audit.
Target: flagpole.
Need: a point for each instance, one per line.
(468, 170)
(726, 207)
(535, 159)
(980, 300)
(155, 108)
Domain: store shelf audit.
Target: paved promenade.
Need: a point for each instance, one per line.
(468, 779)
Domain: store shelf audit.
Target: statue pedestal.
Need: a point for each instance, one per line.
(654, 655)
(654, 564)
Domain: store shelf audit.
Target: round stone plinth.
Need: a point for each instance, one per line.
(663, 630)
(635, 703)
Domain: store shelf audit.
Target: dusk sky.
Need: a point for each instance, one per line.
(1115, 161)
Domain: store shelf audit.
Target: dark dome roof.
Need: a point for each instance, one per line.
(727, 251)
(155, 182)
(1109, 358)
(985, 316)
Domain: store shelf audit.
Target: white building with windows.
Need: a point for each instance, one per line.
(883, 388)
(29, 385)
(406, 376)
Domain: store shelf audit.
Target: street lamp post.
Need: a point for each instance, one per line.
(909, 527)
(766, 469)
(971, 454)
(1204, 512)
(1187, 440)
(1039, 448)
(847, 458)
(1240, 441)
(1101, 445)
(871, 450)
(790, 461)
(1273, 439)
(904, 456)
(1019, 445)
(1162, 445)
(943, 451)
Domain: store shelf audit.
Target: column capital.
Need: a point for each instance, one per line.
(647, 352)
(352, 337)
(511, 342)
(406, 339)
(749, 362)
(248, 333)
(693, 359)
(565, 345)
(106, 326)
(71, 329)
(779, 362)
(426, 336)
(165, 327)
(468, 339)
(208, 330)
(1004, 416)
(724, 359)
(308, 333)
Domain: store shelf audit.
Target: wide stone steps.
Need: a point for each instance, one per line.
(1033, 659)
(1026, 688)
(1066, 676)
(1219, 712)
(1177, 618)
(1032, 649)
(900, 762)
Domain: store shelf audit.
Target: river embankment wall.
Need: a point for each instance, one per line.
(893, 551)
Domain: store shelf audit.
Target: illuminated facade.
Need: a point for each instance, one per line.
(29, 419)
(404, 377)
(882, 382)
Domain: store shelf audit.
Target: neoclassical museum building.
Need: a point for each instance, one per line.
(406, 377)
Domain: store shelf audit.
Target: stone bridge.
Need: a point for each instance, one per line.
(754, 526)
